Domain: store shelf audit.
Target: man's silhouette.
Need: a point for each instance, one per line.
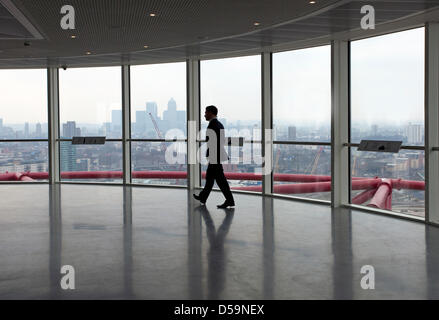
(215, 155)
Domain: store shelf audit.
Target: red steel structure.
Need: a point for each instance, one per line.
(377, 191)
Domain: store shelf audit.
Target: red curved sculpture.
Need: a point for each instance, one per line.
(377, 190)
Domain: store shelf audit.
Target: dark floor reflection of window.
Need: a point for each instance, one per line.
(195, 267)
(55, 247)
(128, 242)
(216, 257)
(432, 261)
(341, 233)
(268, 248)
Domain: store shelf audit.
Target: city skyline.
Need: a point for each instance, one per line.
(412, 133)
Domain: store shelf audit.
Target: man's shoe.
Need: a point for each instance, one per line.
(197, 197)
(226, 204)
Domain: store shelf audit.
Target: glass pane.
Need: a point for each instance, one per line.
(403, 176)
(97, 163)
(302, 95)
(24, 161)
(233, 85)
(90, 102)
(387, 87)
(23, 101)
(303, 171)
(387, 103)
(158, 100)
(159, 163)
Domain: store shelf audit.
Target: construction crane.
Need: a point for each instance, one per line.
(159, 134)
(315, 162)
(354, 167)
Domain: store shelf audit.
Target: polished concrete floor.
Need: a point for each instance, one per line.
(157, 243)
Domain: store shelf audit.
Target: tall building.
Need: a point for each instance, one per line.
(172, 105)
(292, 133)
(116, 120)
(151, 107)
(67, 156)
(374, 130)
(26, 130)
(1, 123)
(67, 150)
(45, 127)
(38, 130)
(170, 115)
(107, 128)
(415, 133)
(141, 120)
(69, 129)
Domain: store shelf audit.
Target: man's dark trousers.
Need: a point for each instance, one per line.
(216, 172)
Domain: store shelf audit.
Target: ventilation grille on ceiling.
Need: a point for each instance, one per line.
(14, 25)
(339, 16)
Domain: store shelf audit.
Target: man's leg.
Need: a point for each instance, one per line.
(210, 180)
(222, 183)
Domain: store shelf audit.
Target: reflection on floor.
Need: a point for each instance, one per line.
(156, 243)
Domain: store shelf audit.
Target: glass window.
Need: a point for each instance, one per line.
(162, 163)
(387, 103)
(90, 105)
(158, 111)
(24, 161)
(403, 172)
(302, 170)
(233, 85)
(101, 163)
(90, 102)
(23, 115)
(23, 101)
(302, 95)
(302, 112)
(158, 100)
(387, 87)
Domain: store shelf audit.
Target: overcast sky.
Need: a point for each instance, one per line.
(387, 86)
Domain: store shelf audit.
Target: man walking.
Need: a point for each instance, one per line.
(215, 154)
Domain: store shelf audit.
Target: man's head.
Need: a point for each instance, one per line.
(210, 113)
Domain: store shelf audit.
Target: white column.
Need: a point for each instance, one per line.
(340, 183)
(53, 124)
(432, 123)
(267, 122)
(126, 124)
(193, 121)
